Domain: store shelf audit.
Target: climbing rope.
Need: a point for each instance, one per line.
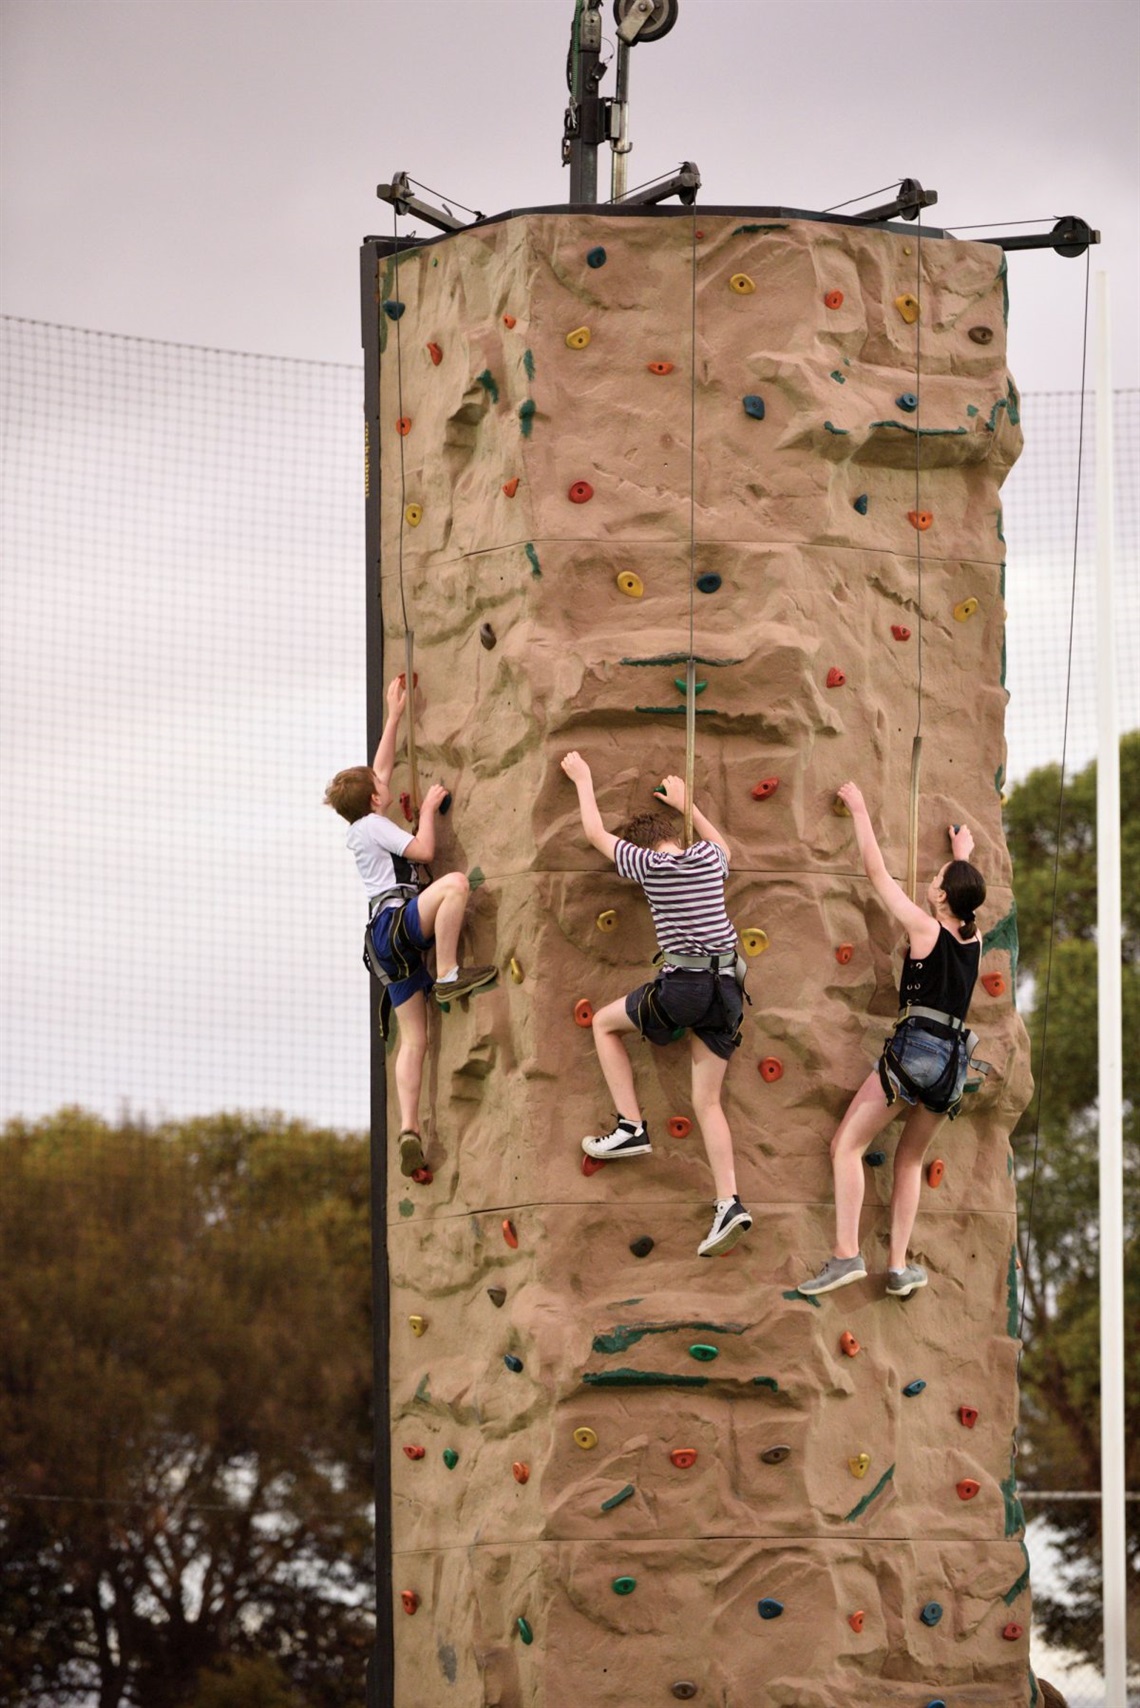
(916, 744)
(409, 633)
(691, 663)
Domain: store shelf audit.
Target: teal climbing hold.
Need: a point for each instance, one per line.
(406, 1207)
(708, 583)
(840, 379)
(703, 1352)
(875, 1159)
(931, 1613)
(971, 409)
(840, 432)
(913, 1388)
(512, 1362)
(861, 503)
(528, 363)
(393, 309)
(524, 1629)
(769, 1608)
(596, 257)
(450, 1458)
(936, 1702)
(754, 406)
(908, 401)
(624, 1586)
(532, 559)
(526, 416)
(616, 1500)
(680, 683)
(487, 381)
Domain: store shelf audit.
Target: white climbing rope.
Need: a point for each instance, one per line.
(409, 633)
(916, 744)
(691, 663)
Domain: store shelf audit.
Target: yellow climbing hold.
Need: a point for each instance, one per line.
(585, 1437)
(908, 307)
(755, 941)
(859, 1465)
(417, 1324)
(965, 609)
(607, 921)
(630, 584)
(516, 971)
(414, 515)
(742, 284)
(579, 338)
(840, 808)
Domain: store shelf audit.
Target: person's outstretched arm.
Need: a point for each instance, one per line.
(385, 761)
(920, 927)
(672, 792)
(578, 772)
(422, 845)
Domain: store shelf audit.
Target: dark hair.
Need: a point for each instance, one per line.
(965, 891)
(648, 830)
(350, 792)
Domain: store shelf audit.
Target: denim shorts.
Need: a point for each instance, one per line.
(400, 945)
(681, 1001)
(924, 1057)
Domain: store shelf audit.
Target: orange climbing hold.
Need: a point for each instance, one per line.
(415, 1452)
(406, 807)
(1013, 1631)
(679, 1126)
(855, 1620)
(844, 953)
(510, 1235)
(920, 519)
(591, 1165)
(435, 353)
(509, 320)
(900, 632)
(833, 299)
(403, 425)
(967, 1488)
(410, 1600)
(765, 787)
(521, 1471)
(660, 367)
(684, 1457)
(994, 983)
(510, 487)
(583, 1012)
(936, 1172)
(771, 1069)
(835, 678)
(848, 1343)
(580, 492)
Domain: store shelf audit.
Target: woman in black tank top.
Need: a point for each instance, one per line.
(923, 1066)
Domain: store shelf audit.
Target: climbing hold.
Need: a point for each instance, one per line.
(450, 1458)
(855, 1620)
(509, 320)
(844, 953)
(497, 1296)
(859, 1465)
(393, 310)
(848, 1343)
(741, 284)
(840, 808)
(769, 1608)
(596, 257)
(583, 1012)
(771, 1069)
(684, 1458)
(900, 631)
(516, 972)
(967, 1416)
(417, 1324)
(775, 1455)
(683, 1690)
(708, 583)
(585, 1438)
(415, 1452)
(935, 1172)
(510, 1235)
(445, 804)
(436, 354)
(660, 367)
(512, 1362)
(580, 492)
(641, 1247)
(524, 1630)
(765, 787)
(913, 1388)
(624, 1586)
(967, 1488)
(920, 519)
(994, 983)
(907, 401)
(414, 515)
(410, 1600)
(591, 1165)
(835, 678)
(616, 1500)
(833, 299)
(702, 1352)
(965, 609)
(908, 307)
(931, 1613)
(630, 584)
(683, 687)
(403, 425)
(754, 940)
(403, 679)
(422, 1176)
(606, 921)
(510, 487)
(982, 334)
(861, 503)
(875, 1159)
(579, 338)
(754, 406)
(1013, 1631)
(520, 1471)
(406, 807)
(679, 1126)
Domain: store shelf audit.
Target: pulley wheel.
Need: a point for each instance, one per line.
(658, 24)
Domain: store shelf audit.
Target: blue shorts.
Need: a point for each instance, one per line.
(925, 1057)
(400, 946)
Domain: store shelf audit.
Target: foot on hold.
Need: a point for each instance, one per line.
(412, 1157)
(463, 982)
(629, 1138)
(901, 1283)
(836, 1272)
(730, 1223)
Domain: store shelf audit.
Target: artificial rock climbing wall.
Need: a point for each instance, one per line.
(623, 1474)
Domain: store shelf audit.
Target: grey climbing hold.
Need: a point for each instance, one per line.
(931, 1613)
(512, 1362)
(982, 334)
(393, 310)
(497, 1295)
(596, 257)
(908, 401)
(708, 583)
(641, 1247)
(487, 636)
(775, 1455)
(684, 1690)
(861, 503)
(769, 1608)
(913, 1388)
(754, 406)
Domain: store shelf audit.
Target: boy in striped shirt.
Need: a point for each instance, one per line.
(695, 991)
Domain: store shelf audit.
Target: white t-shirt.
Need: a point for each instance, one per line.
(373, 841)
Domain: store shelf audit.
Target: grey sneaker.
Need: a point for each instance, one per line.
(836, 1272)
(901, 1286)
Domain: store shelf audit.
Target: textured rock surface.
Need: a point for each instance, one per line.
(809, 583)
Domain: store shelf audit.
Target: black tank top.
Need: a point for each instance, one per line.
(944, 979)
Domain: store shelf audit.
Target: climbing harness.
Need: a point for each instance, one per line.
(940, 1097)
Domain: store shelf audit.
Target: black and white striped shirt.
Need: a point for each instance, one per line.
(685, 893)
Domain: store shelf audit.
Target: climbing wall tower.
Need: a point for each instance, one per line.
(619, 1473)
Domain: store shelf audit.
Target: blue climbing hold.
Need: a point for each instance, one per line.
(913, 1388)
(708, 583)
(393, 310)
(769, 1608)
(596, 257)
(516, 1364)
(907, 400)
(936, 1702)
(861, 503)
(754, 406)
(931, 1613)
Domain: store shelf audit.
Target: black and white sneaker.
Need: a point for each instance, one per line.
(629, 1138)
(730, 1223)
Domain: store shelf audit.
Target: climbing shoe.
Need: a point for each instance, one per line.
(465, 981)
(836, 1272)
(411, 1152)
(629, 1138)
(730, 1223)
(901, 1283)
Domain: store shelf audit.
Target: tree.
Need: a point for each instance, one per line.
(185, 1444)
(1056, 1145)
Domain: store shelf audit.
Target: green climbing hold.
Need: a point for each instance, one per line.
(698, 687)
(971, 409)
(766, 1382)
(393, 309)
(840, 379)
(840, 432)
(406, 1207)
(803, 1298)
(526, 416)
(532, 559)
(703, 1352)
(528, 363)
(475, 877)
(524, 1630)
(450, 1458)
(624, 1586)
(616, 1500)
(487, 381)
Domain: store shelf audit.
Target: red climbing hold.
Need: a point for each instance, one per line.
(583, 1012)
(835, 678)
(1013, 1631)
(767, 786)
(403, 678)
(510, 1235)
(660, 367)
(994, 983)
(833, 299)
(510, 487)
(415, 1452)
(684, 1457)
(844, 953)
(935, 1172)
(435, 353)
(521, 1471)
(967, 1416)
(679, 1126)
(509, 320)
(581, 492)
(406, 807)
(410, 1600)
(967, 1488)
(855, 1620)
(423, 1176)
(771, 1069)
(900, 632)
(404, 426)
(920, 519)
(848, 1343)
(591, 1165)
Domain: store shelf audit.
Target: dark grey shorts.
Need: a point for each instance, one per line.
(679, 1002)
